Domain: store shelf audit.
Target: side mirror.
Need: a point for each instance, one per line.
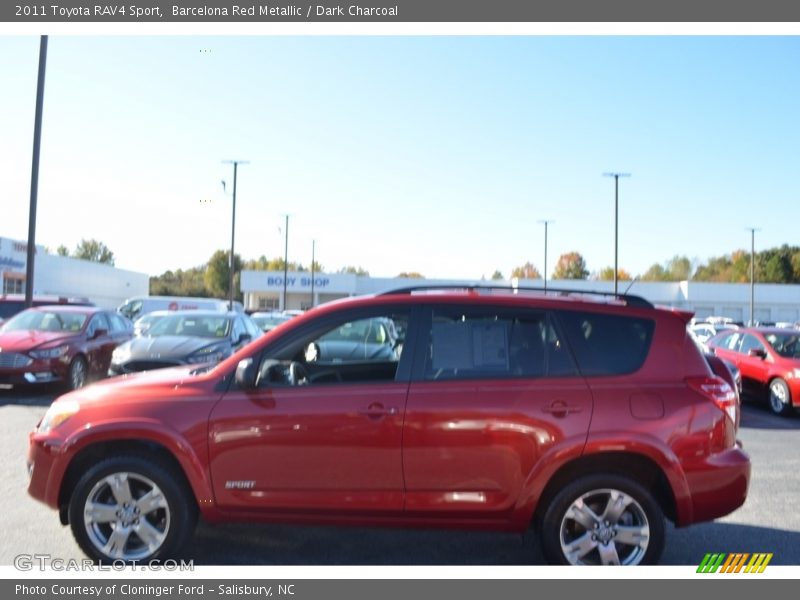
(245, 337)
(757, 352)
(99, 332)
(246, 372)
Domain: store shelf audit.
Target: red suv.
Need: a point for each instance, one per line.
(590, 421)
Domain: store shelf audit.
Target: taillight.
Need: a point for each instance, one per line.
(718, 391)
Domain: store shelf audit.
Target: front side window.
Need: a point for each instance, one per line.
(361, 349)
(750, 342)
(97, 322)
(474, 344)
(785, 344)
(607, 344)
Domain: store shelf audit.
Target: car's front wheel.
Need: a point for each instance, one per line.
(602, 520)
(131, 509)
(78, 373)
(780, 398)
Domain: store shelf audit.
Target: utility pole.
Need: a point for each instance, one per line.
(235, 164)
(545, 223)
(313, 251)
(37, 143)
(752, 231)
(285, 260)
(616, 177)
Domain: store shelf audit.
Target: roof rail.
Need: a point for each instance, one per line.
(629, 299)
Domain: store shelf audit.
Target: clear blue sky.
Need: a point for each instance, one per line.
(429, 154)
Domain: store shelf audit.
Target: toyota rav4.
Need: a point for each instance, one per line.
(590, 419)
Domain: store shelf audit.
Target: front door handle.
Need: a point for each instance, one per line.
(378, 410)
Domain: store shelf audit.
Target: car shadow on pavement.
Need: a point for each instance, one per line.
(306, 545)
(34, 395)
(756, 415)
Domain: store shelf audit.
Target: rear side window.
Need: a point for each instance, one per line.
(606, 344)
(470, 344)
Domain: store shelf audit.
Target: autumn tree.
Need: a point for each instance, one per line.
(351, 270)
(607, 274)
(526, 271)
(571, 266)
(411, 275)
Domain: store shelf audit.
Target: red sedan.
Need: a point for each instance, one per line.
(769, 360)
(59, 344)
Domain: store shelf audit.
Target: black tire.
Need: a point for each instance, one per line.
(779, 398)
(168, 528)
(603, 541)
(78, 373)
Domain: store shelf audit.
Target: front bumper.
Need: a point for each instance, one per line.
(46, 466)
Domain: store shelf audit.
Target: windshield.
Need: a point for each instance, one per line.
(785, 344)
(271, 320)
(46, 320)
(191, 325)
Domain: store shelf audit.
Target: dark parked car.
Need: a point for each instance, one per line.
(769, 360)
(589, 421)
(59, 344)
(185, 337)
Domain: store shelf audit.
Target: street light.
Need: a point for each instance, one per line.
(235, 164)
(752, 231)
(616, 177)
(545, 223)
(313, 252)
(285, 260)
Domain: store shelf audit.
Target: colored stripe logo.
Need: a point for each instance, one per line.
(734, 563)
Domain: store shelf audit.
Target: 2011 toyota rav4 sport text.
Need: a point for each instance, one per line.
(589, 420)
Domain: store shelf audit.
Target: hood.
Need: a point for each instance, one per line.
(23, 340)
(129, 387)
(168, 347)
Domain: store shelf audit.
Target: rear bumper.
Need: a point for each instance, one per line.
(718, 485)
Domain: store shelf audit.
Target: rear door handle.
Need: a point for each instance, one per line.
(561, 409)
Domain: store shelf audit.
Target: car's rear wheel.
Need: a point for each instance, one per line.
(78, 373)
(779, 397)
(602, 520)
(131, 509)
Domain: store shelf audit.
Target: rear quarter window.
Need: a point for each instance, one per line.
(606, 344)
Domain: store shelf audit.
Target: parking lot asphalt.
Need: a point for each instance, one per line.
(768, 522)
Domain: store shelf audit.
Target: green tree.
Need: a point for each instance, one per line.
(411, 275)
(655, 273)
(497, 276)
(526, 271)
(62, 250)
(217, 274)
(571, 266)
(95, 251)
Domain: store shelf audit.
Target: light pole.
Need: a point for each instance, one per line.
(235, 164)
(313, 251)
(616, 177)
(37, 142)
(752, 231)
(285, 260)
(545, 222)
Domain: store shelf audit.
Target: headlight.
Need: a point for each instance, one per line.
(56, 415)
(797, 373)
(210, 354)
(120, 354)
(50, 352)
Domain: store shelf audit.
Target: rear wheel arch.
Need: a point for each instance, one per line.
(101, 450)
(636, 467)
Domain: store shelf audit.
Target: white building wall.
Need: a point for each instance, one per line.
(55, 275)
